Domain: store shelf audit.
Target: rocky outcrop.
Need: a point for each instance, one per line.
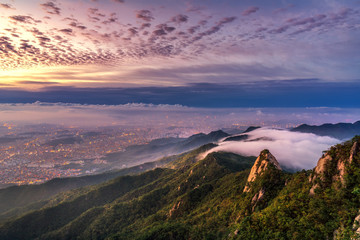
(173, 210)
(264, 181)
(319, 171)
(355, 235)
(262, 163)
(257, 198)
(331, 168)
(355, 149)
(356, 227)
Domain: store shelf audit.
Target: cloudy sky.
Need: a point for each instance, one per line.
(206, 53)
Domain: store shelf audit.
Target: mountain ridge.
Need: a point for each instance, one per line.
(19, 196)
(205, 199)
(339, 130)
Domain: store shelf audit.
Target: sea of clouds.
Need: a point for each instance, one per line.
(292, 149)
(151, 114)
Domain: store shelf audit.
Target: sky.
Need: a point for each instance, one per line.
(203, 53)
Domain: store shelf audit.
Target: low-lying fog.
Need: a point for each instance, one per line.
(292, 149)
(149, 115)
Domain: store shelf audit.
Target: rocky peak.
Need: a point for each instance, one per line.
(261, 164)
(321, 168)
(331, 167)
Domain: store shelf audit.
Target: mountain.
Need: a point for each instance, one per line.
(251, 128)
(199, 140)
(138, 154)
(263, 163)
(339, 130)
(126, 200)
(205, 199)
(334, 167)
(242, 136)
(16, 200)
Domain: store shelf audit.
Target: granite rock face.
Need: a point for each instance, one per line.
(331, 168)
(261, 164)
(356, 226)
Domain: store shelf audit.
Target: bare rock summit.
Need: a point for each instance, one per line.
(262, 163)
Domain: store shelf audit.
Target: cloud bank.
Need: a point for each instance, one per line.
(289, 94)
(293, 150)
(189, 120)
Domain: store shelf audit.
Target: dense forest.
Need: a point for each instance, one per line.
(211, 198)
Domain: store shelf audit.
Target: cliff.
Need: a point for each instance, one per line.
(262, 163)
(333, 166)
